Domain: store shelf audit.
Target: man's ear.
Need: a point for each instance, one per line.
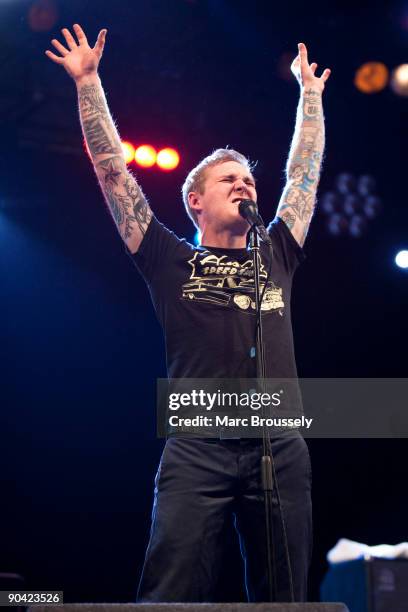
(194, 201)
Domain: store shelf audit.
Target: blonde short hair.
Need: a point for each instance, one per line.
(196, 177)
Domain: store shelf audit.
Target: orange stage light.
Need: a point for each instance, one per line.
(128, 151)
(145, 156)
(371, 77)
(168, 159)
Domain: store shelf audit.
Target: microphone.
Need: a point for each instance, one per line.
(249, 211)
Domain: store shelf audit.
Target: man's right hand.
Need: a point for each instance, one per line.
(127, 204)
(79, 60)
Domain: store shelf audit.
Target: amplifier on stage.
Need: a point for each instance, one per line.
(373, 585)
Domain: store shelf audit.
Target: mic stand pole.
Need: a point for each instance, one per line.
(266, 461)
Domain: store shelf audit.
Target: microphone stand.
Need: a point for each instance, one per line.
(267, 459)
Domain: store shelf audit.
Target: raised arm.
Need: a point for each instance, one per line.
(298, 199)
(126, 202)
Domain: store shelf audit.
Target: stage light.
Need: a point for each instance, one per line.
(128, 151)
(330, 202)
(145, 156)
(168, 159)
(366, 185)
(337, 224)
(351, 206)
(372, 206)
(399, 80)
(401, 259)
(357, 226)
(345, 183)
(371, 77)
(42, 15)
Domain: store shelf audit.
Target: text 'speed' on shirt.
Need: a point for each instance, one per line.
(204, 298)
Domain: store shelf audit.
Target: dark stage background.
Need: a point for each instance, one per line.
(80, 346)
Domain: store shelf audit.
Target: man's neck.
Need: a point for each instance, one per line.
(223, 239)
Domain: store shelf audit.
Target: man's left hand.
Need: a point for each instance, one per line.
(305, 72)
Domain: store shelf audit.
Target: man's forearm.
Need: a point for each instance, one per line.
(303, 167)
(97, 125)
(125, 199)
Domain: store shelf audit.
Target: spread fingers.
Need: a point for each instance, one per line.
(59, 47)
(69, 39)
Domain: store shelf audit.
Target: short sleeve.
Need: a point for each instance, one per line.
(158, 246)
(285, 245)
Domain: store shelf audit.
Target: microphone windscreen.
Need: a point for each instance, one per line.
(248, 210)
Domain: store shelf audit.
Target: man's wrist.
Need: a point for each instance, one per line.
(309, 89)
(88, 79)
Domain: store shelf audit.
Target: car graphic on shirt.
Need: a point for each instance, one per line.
(222, 280)
(243, 295)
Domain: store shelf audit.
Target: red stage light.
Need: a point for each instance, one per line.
(168, 159)
(128, 151)
(145, 156)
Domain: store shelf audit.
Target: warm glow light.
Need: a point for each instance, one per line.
(145, 156)
(371, 77)
(399, 80)
(168, 159)
(128, 151)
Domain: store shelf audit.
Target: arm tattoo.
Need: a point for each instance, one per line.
(98, 127)
(125, 199)
(289, 219)
(140, 208)
(91, 101)
(97, 136)
(303, 167)
(312, 105)
(117, 209)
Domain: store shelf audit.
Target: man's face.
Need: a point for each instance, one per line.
(225, 185)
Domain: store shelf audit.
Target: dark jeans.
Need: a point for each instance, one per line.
(201, 484)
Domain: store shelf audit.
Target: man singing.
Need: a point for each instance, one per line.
(204, 299)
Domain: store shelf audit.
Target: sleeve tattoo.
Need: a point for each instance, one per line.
(303, 168)
(127, 204)
(126, 201)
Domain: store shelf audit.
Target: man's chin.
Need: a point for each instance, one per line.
(239, 226)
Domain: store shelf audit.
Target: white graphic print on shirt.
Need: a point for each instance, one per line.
(227, 282)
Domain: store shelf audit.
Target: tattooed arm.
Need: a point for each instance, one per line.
(126, 202)
(124, 197)
(298, 199)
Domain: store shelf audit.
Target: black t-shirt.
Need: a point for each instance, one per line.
(205, 301)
